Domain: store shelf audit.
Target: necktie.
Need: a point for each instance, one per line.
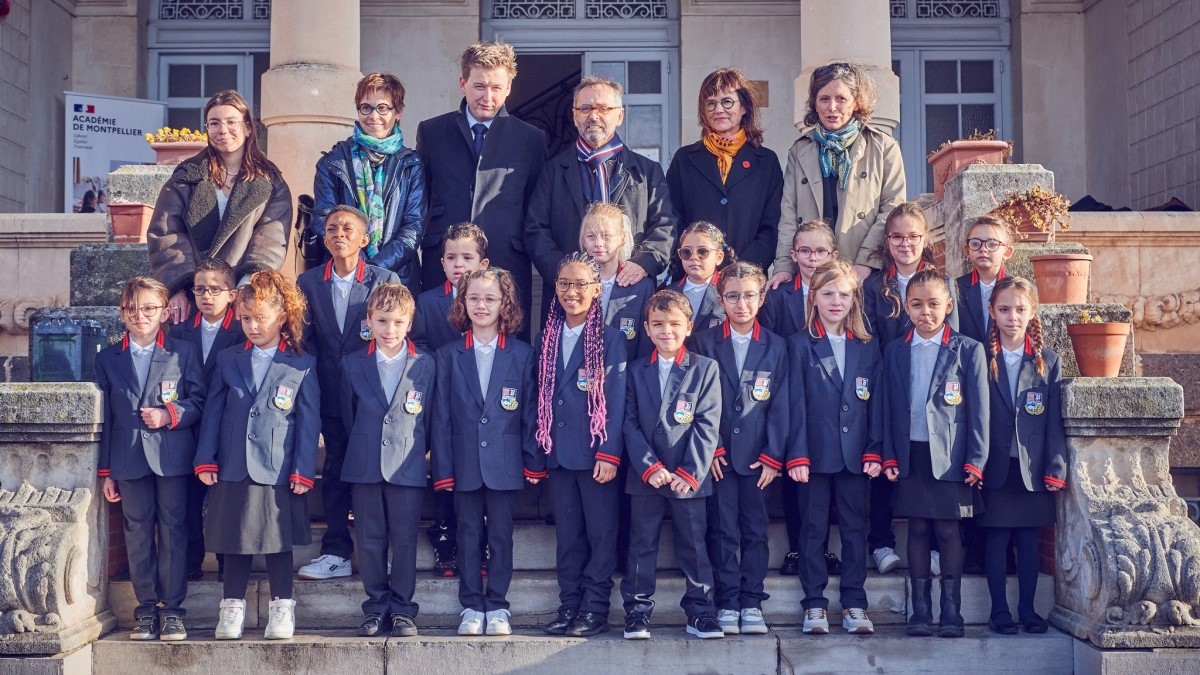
(479, 130)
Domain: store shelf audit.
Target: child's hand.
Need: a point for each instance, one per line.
(892, 473)
(110, 490)
(679, 485)
(299, 488)
(659, 479)
(533, 481)
(1052, 488)
(777, 279)
(972, 479)
(604, 472)
(767, 476)
(155, 418)
(717, 463)
(872, 469)
(630, 274)
(208, 477)
(799, 473)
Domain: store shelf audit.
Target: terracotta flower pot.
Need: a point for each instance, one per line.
(959, 155)
(1099, 347)
(130, 222)
(1061, 278)
(174, 153)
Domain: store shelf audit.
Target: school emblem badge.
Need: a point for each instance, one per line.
(762, 389)
(627, 328)
(952, 393)
(169, 393)
(683, 412)
(1033, 403)
(412, 403)
(862, 388)
(581, 380)
(283, 397)
(508, 398)
(364, 331)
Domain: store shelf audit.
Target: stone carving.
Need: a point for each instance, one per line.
(16, 312)
(1156, 312)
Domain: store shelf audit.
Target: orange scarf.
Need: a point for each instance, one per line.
(725, 149)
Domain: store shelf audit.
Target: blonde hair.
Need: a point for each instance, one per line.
(613, 214)
(833, 272)
(391, 297)
(488, 56)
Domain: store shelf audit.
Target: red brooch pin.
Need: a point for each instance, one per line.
(745, 164)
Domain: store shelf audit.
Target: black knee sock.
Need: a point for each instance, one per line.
(918, 548)
(237, 575)
(996, 567)
(949, 537)
(279, 573)
(1027, 569)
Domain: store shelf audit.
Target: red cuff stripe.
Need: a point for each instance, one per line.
(770, 461)
(1056, 482)
(536, 474)
(611, 459)
(798, 461)
(174, 414)
(719, 453)
(443, 484)
(691, 480)
(973, 470)
(891, 464)
(650, 472)
(306, 482)
(206, 468)
(868, 457)
(103, 473)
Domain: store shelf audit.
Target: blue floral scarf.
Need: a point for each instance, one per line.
(835, 150)
(370, 178)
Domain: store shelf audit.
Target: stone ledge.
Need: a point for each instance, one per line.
(66, 640)
(1156, 402)
(50, 412)
(137, 183)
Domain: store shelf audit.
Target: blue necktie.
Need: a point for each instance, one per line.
(479, 129)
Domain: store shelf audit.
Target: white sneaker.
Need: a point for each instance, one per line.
(935, 563)
(885, 559)
(281, 621)
(472, 622)
(815, 621)
(752, 622)
(232, 617)
(497, 622)
(325, 567)
(728, 618)
(855, 621)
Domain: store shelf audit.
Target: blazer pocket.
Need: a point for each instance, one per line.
(278, 450)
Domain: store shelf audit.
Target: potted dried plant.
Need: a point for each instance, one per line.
(1040, 215)
(980, 147)
(1099, 345)
(172, 146)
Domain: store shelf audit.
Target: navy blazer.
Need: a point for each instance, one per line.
(431, 323)
(626, 312)
(784, 311)
(830, 404)
(755, 401)
(268, 435)
(485, 441)
(574, 448)
(174, 381)
(711, 312)
(323, 337)
(387, 442)
(884, 327)
(229, 334)
(958, 432)
(678, 432)
(1033, 420)
(973, 315)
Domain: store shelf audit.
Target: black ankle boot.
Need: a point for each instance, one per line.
(950, 623)
(920, 624)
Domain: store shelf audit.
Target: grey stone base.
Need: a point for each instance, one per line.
(1126, 637)
(78, 662)
(66, 640)
(1094, 661)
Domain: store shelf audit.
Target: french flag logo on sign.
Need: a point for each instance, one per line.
(81, 108)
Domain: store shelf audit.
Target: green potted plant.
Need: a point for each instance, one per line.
(1062, 278)
(1099, 345)
(979, 147)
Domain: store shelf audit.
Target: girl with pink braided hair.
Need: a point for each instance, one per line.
(581, 375)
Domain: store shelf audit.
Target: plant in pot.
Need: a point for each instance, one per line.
(951, 157)
(1099, 345)
(1062, 278)
(172, 146)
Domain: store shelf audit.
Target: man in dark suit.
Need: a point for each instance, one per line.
(480, 167)
(600, 169)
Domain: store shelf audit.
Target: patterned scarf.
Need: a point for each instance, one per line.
(835, 150)
(368, 154)
(725, 149)
(594, 159)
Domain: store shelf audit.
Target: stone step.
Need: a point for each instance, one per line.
(336, 603)
(781, 652)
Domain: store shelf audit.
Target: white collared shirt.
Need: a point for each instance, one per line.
(924, 358)
(341, 296)
(390, 369)
(260, 363)
(471, 121)
(485, 354)
(141, 361)
(208, 335)
(741, 344)
(838, 344)
(606, 289)
(570, 336)
(664, 373)
(902, 283)
(695, 293)
(1012, 367)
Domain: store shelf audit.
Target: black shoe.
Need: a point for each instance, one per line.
(146, 628)
(172, 629)
(705, 626)
(1035, 624)
(1003, 624)
(195, 574)
(372, 625)
(444, 552)
(587, 624)
(560, 624)
(637, 626)
(403, 626)
(791, 564)
(920, 623)
(833, 564)
(950, 623)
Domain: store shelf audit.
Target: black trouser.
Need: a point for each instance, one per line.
(388, 517)
(485, 512)
(737, 522)
(335, 494)
(279, 573)
(155, 515)
(996, 566)
(585, 527)
(196, 491)
(880, 535)
(848, 491)
(688, 525)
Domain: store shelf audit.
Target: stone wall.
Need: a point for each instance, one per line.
(14, 107)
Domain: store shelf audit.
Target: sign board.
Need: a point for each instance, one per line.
(103, 133)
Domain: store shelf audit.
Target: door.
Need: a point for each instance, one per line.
(187, 81)
(650, 126)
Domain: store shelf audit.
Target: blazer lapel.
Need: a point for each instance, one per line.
(824, 351)
(1001, 383)
(706, 165)
(848, 378)
(245, 368)
(728, 360)
(128, 372)
(358, 298)
(795, 306)
(574, 183)
(745, 162)
(500, 364)
(939, 370)
(616, 303)
(323, 305)
(370, 372)
(468, 136)
(810, 166)
(573, 364)
(158, 361)
(271, 379)
(674, 382)
(1027, 378)
(466, 364)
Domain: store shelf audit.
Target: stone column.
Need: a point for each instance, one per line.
(849, 30)
(1128, 557)
(308, 93)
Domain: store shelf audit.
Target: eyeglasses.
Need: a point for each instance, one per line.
(814, 253)
(201, 291)
(588, 109)
(214, 126)
(687, 253)
(900, 239)
(733, 298)
(565, 285)
(365, 109)
(485, 300)
(990, 245)
(726, 103)
(144, 310)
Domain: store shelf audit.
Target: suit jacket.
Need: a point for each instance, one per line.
(745, 207)
(626, 312)
(174, 381)
(229, 334)
(323, 337)
(1033, 421)
(958, 432)
(556, 210)
(783, 313)
(268, 435)
(573, 446)
(755, 401)
(431, 324)
(886, 328)
(830, 404)
(485, 441)
(972, 314)
(659, 434)
(387, 442)
(711, 312)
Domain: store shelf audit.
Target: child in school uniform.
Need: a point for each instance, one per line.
(154, 393)
(214, 328)
(464, 249)
(1026, 419)
(702, 251)
(934, 442)
(606, 235)
(672, 430)
(257, 451)
(754, 439)
(484, 449)
(835, 370)
(906, 251)
(337, 302)
(384, 391)
(580, 410)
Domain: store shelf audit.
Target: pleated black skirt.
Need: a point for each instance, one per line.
(245, 518)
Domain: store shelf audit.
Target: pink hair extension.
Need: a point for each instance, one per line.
(547, 374)
(593, 360)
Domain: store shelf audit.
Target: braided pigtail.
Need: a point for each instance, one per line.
(547, 374)
(1035, 337)
(593, 364)
(994, 344)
